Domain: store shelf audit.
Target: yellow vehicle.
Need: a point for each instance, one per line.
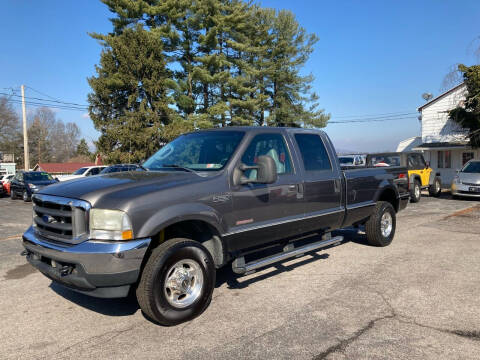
(420, 174)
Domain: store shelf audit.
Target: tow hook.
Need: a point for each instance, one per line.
(25, 253)
(65, 270)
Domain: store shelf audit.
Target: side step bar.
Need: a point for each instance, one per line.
(240, 267)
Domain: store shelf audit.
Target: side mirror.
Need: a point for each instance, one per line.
(428, 164)
(266, 172)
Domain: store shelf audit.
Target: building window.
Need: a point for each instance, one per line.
(448, 159)
(440, 159)
(466, 157)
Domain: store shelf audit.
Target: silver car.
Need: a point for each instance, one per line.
(467, 181)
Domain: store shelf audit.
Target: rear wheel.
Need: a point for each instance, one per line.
(436, 188)
(12, 194)
(177, 282)
(380, 228)
(416, 192)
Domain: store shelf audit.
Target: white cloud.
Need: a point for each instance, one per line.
(86, 116)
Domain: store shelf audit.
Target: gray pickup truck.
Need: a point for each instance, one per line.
(207, 199)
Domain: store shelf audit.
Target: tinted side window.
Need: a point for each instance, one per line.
(272, 145)
(94, 171)
(313, 152)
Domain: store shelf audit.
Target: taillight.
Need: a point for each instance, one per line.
(404, 176)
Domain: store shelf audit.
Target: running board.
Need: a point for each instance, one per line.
(240, 267)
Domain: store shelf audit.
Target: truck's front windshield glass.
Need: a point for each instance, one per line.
(200, 151)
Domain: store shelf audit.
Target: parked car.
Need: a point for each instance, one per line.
(351, 160)
(26, 183)
(467, 181)
(120, 168)
(5, 184)
(207, 198)
(420, 174)
(82, 172)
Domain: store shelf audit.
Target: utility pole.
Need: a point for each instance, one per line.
(26, 159)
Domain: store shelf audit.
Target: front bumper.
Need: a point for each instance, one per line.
(96, 268)
(464, 190)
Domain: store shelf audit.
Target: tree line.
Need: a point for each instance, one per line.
(49, 138)
(171, 66)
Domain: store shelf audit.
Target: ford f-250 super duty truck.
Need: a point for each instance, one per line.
(207, 199)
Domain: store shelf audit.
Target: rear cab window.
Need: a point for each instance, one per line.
(314, 153)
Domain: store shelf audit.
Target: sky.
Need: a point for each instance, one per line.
(372, 57)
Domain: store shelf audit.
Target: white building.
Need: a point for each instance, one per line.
(443, 142)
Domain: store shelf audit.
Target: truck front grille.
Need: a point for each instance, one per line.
(60, 219)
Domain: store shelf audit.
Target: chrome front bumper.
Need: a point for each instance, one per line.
(97, 268)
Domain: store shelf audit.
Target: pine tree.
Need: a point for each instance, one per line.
(130, 102)
(172, 66)
(83, 149)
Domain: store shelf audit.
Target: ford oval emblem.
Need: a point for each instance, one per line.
(48, 219)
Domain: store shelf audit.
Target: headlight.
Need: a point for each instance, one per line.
(110, 225)
(456, 180)
(32, 186)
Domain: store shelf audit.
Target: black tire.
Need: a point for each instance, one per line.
(436, 188)
(416, 192)
(373, 227)
(12, 194)
(151, 292)
(25, 196)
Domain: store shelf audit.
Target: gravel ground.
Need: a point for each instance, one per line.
(416, 299)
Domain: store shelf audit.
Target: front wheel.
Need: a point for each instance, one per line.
(380, 227)
(416, 192)
(12, 194)
(177, 282)
(25, 196)
(436, 188)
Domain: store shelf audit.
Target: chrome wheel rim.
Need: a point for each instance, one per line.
(417, 191)
(183, 283)
(386, 224)
(437, 187)
(25, 196)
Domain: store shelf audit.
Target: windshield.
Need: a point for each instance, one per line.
(80, 171)
(37, 176)
(472, 167)
(204, 151)
(346, 160)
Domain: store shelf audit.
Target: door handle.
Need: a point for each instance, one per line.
(292, 187)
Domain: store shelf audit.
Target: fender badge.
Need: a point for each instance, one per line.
(243, 222)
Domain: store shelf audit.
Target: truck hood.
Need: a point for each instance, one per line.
(116, 187)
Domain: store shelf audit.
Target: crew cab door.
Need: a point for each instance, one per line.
(322, 184)
(264, 213)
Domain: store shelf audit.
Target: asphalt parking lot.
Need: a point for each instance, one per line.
(416, 299)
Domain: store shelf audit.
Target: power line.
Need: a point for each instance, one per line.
(39, 92)
(54, 106)
(370, 120)
(54, 101)
(371, 115)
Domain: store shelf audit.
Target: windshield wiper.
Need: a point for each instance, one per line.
(176, 166)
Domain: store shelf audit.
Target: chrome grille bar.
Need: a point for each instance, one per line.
(60, 219)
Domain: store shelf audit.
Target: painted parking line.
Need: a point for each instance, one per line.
(12, 237)
(463, 212)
